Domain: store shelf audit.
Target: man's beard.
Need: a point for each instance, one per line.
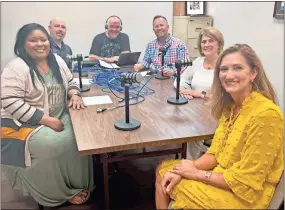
(59, 38)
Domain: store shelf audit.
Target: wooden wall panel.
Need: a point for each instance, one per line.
(179, 8)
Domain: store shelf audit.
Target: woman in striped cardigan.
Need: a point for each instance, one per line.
(38, 148)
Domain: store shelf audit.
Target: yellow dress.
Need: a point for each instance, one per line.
(249, 152)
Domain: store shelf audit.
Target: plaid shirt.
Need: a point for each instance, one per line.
(176, 51)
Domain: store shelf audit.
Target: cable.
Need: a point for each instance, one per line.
(95, 67)
(146, 87)
(119, 106)
(111, 79)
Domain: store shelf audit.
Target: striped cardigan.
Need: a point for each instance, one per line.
(23, 106)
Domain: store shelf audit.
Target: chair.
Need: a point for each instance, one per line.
(277, 200)
(278, 197)
(208, 143)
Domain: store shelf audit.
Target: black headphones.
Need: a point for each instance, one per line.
(121, 23)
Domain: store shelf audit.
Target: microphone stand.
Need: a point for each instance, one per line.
(177, 100)
(127, 124)
(83, 88)
(160, 75)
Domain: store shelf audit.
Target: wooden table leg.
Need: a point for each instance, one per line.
(184, 148)
(106, 180)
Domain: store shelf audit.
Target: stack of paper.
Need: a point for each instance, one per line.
(108, 65)
(95, 100)
(84, 81)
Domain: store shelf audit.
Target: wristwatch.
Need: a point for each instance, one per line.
(203, 94)
(77, 94)
(175, 73)
(207, 176)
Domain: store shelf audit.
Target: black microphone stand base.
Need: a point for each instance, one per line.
(85, 88)
(84, 74)
(124, 126)
(179, 101)
(161, 77)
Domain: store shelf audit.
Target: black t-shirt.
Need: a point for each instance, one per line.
(104, 47)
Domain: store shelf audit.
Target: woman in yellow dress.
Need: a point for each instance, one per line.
(245, 161)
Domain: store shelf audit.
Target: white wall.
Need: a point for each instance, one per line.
(243, 22)
(84, 20)
(253, 23)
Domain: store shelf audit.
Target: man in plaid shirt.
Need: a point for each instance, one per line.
(176, 51)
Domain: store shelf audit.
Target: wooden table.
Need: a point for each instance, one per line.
(161, 124)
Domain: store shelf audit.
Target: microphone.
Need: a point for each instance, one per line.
(178, 65)
(164, 48)
(130, 78)
(77, 57)
(126, 80)
(162, 52)
(184, 62)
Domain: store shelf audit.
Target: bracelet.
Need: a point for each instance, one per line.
(77, 94)
(207, 176)
(203, 94)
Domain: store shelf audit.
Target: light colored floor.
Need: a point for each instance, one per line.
(13, 199)
(143, 170)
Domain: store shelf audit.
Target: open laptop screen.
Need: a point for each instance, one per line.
(128, 58)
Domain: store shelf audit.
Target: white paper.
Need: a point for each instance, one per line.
(108, 65)
(144, 73)
(84, 81)
(95, 100)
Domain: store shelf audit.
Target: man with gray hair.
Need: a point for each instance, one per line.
(108, 45)
(57, 29)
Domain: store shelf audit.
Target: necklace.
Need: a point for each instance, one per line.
(43, 70)
(229, 123)
(209, 66)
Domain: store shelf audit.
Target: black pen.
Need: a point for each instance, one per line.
(189, 84)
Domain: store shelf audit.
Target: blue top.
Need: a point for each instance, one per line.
(62, 51)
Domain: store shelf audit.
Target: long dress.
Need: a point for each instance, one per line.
(57, 172)
(249, 152)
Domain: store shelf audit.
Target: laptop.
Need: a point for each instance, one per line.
(88, 64)
(128, 59)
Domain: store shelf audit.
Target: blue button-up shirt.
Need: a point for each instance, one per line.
(62, 51)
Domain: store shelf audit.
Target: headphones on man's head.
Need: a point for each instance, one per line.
(121, 23)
